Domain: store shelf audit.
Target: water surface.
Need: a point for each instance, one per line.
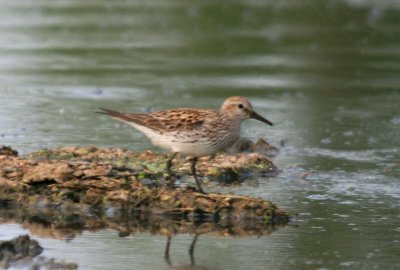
(325, 72)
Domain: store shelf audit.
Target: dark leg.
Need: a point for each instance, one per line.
(166, 252)
(194, 160)
(169, 164)
(191, 249)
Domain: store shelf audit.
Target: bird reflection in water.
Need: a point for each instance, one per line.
(192, 265)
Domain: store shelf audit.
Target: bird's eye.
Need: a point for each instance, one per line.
(240, 106)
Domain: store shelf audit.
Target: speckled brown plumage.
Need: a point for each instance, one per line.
(184, 119)
(192, 132)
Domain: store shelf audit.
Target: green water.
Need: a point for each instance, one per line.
(325, 72)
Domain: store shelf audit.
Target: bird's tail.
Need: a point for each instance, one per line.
(110, 112)
(124, 117)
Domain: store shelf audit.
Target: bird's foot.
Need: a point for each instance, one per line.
(169, 182)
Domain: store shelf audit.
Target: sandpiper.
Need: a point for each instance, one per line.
(192, 132)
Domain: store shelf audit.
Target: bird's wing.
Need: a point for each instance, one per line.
(167, 120)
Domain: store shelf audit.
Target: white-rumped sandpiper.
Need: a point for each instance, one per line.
(192, 132)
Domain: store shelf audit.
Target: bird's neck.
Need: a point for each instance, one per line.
(234, 122)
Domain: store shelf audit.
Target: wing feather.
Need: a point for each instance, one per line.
(166, 121)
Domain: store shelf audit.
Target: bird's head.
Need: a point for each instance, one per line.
(241, 109)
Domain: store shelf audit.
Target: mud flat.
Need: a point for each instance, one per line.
(87, 180)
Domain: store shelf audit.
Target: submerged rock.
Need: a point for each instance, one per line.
(260, 147)
(20, 252)
(52, 264)
(18, 248)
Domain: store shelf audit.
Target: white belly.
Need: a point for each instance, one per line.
(188, 143)
(187, 146)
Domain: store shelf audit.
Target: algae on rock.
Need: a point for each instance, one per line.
(93, 177)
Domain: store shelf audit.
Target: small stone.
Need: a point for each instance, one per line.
(8, 151)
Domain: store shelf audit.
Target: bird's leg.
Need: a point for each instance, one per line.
(194, 160)
(191, 249)
(166, 251)
(169, 164)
